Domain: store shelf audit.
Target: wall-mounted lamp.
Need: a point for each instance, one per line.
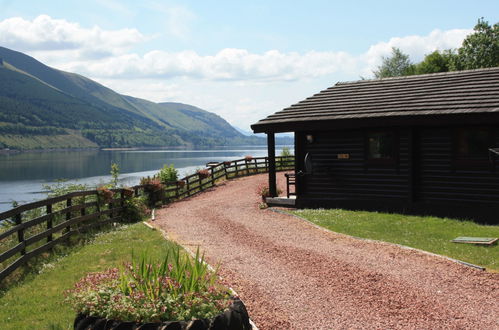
(310, 138)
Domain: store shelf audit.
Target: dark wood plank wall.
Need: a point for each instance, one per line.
(444, 180)
(353, 179)
(434, 179)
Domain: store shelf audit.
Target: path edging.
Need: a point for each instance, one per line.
(379, 241)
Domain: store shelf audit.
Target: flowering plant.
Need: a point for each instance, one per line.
(203, 174)
(263, 191)
(154, 190)
(128, 192)
(142, 291)
(104, 194)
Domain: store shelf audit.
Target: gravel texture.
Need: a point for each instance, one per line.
(292, 275)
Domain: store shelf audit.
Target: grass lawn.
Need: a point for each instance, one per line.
(37, 302)
(426, 233)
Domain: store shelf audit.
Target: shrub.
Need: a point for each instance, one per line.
(168, 174)
(248, 158)
(143, 291)
(135, 209)
(115, 172)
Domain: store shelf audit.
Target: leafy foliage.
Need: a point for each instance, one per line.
(168, 174)
(115, 172)
(145, 291)
(436, 62)
(398, 64)
(481, 48)
(478, 50)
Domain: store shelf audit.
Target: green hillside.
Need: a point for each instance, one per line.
(41, 107)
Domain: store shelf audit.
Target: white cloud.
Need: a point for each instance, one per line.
(415, 46)
(51, 35)
(273, 65)
(227, 64)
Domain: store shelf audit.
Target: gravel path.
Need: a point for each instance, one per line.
(292, 275)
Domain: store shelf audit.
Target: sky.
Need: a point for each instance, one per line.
(242, 60)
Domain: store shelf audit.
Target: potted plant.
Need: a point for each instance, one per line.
(264, 191)
(104, 194)
(154, 190)
(203, 174)
(181, 294)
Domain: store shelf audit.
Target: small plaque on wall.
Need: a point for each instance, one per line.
(343, 156)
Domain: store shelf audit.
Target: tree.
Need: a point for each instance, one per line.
(398, 64)
(436, 62)
(480, 49)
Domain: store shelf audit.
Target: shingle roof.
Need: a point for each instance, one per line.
(460, 92)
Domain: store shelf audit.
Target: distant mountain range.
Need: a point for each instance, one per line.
(42, 108)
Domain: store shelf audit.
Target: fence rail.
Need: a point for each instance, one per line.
(37, 227)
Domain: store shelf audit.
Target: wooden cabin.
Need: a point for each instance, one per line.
(425, 144)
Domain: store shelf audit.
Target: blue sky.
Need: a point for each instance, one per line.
(240, 59)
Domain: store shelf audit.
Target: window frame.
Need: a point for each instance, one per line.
(393, 160)
(466, 162)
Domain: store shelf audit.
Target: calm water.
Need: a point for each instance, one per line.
(23, 175)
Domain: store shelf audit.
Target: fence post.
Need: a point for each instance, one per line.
(69, 203)
(20, 232)
(225, 172)
(122, 203)
(212, 176)
(266, 164)
(188, 187)
(237, 170)
(200, 181)
(83, 211)
(111, 213)
(49, 222)
(136, 191)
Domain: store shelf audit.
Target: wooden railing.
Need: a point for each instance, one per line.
(37, 227)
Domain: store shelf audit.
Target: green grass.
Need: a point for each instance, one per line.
(426, 233)
(37, 302)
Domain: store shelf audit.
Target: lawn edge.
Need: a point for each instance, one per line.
(464, 263)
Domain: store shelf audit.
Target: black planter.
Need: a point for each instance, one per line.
(234, 318)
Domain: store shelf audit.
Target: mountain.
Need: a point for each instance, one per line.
(42, 107)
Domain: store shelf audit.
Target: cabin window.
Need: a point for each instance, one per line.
(473, 143)
(380, 146)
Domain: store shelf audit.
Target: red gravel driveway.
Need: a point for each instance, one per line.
(292, 275)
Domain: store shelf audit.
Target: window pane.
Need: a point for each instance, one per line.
(380, 145)
(473, 143)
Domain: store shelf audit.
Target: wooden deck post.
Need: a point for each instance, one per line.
(272, 171)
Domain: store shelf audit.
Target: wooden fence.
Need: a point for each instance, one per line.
(37, 227)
